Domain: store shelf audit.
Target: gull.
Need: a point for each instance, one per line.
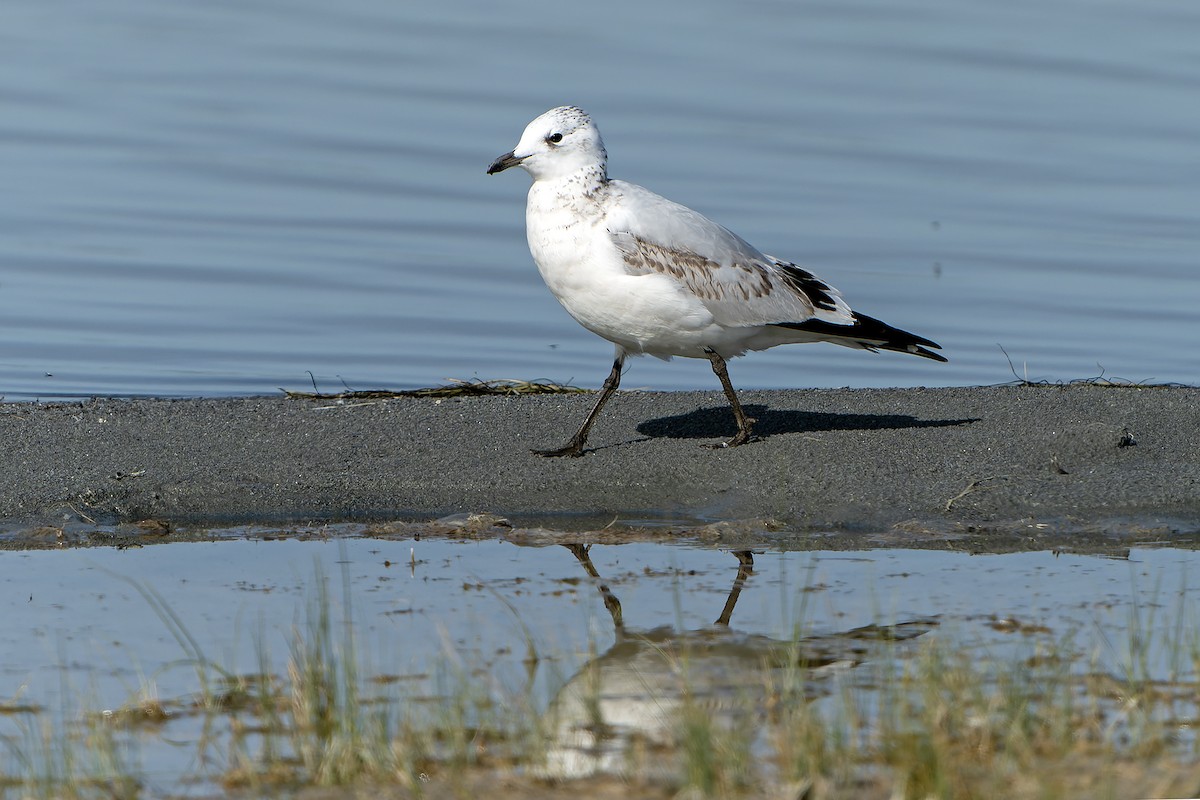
(657, 278)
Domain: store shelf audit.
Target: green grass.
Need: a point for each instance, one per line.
(68, 756)
(940, 716)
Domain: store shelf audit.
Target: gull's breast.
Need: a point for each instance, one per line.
(586, 272)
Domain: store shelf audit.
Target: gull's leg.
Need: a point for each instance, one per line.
(611, 602)
(745, 570)
(575, 446)
(744, 423)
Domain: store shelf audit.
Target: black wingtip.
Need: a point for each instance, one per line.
(917, 350)
(873, 334)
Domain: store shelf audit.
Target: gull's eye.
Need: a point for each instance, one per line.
(554, 138)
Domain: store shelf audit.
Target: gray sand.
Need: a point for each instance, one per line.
(911, 462)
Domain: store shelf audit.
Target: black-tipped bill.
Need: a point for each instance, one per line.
(504, 162)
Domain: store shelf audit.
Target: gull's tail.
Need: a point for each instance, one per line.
(869, 334)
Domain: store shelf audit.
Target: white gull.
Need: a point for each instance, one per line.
(654, 277)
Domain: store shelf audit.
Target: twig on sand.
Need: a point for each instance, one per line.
(81, 515)
(1096, 380)
(973, 486)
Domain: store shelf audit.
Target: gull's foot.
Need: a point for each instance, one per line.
(572, 449)
(743, 436)
(734, 442)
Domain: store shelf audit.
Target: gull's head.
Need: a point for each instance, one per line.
(562, 141)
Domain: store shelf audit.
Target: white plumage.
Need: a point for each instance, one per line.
(655, 277)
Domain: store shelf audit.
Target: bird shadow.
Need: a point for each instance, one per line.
(708, 423)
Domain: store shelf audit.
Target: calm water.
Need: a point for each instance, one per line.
(78, 636)
(216, 198)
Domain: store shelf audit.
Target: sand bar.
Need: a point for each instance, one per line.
(895, 462)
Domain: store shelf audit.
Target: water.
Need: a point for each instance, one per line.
(217, 198)
(79, 635)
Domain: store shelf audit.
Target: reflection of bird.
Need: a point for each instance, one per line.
(638, 690)
(656, 277)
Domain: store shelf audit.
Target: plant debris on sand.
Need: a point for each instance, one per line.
(456, 388)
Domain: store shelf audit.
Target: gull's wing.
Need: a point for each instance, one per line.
(740, 286)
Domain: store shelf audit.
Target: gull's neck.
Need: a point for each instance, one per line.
(584, 181)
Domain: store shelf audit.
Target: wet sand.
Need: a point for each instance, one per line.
(905, 464)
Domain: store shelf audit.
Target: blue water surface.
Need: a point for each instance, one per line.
(219, 198)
